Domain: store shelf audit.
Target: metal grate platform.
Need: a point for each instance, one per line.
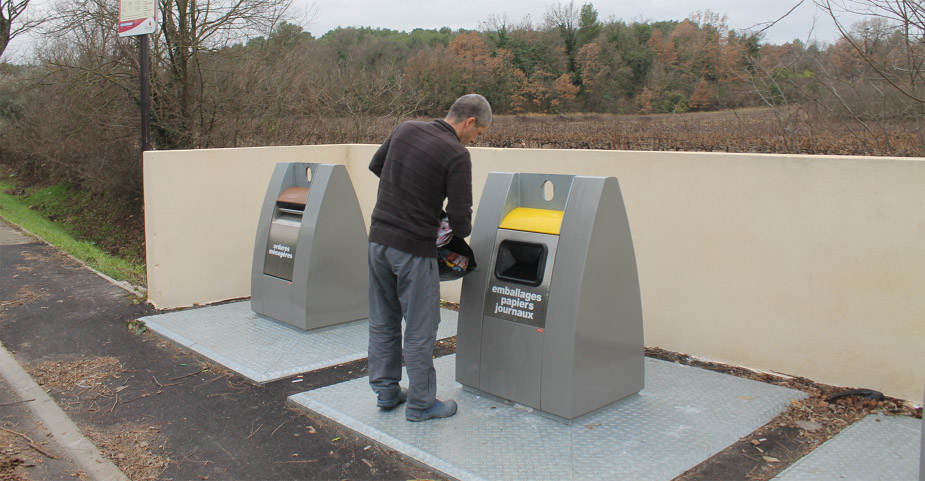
(682, 417)
(878, 447)
(264, 350)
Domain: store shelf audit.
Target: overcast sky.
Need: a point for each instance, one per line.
(409, 14)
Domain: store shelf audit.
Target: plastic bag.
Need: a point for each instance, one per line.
(444, 231)
(455, 260)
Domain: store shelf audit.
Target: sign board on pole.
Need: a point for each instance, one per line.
(136, 17)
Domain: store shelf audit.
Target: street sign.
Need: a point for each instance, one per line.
(136, 17)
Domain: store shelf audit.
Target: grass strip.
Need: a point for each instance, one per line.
(15, 211)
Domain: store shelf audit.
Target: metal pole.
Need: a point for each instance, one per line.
(145, 94)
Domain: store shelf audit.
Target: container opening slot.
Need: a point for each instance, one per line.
(528, 219)
(521, 262)
(293, 198)
(291, 211)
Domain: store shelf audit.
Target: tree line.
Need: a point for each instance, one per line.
(237, 73)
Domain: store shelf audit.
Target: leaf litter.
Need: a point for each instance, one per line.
(825, 412)
(134, 449)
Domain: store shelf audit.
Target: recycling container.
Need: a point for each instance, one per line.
(555, 320)
(309, 267)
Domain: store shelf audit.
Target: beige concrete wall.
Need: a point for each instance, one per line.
(201, 210)
(807, 265)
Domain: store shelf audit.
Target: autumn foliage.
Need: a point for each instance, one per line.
(570, 81)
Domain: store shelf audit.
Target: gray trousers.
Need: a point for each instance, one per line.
(403, 285)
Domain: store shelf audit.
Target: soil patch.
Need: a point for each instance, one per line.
(26, 295)
(25, 454)
(136, 450)
(85, 374)
(12, 457)
(31, 256)
(805, 425)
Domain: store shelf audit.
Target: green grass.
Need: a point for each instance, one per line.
(17, 211)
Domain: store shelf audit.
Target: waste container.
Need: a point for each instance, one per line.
(554, 321)
(310, 268)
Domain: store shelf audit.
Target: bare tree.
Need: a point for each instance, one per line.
(13, 21)
(901, 67)
(908, 19)
(82, 112)
(565, 19)
(189, 30)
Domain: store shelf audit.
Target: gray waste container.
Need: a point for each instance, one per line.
(552, 318)
(310, 268)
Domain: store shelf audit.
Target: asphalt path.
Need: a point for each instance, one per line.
(165, 413)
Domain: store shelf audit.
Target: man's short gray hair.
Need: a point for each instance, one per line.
(471, 105)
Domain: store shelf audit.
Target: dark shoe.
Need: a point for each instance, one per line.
(439, 409)
(390, 403)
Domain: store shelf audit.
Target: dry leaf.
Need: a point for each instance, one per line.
(809, 425)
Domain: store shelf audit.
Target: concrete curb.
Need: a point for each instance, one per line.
(65, 432)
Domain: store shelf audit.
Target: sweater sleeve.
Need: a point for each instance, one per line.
(379, 158)
(459, 195)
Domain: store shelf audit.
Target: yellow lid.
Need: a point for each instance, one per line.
(533, 220)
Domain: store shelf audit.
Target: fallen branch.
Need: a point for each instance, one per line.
(254, 432)
(188, 375)
(17, 402)
(165, 441)
(135, 398)
(164, 385)
(210, 381)
(277, 428)
(221, 376)
(297, 462)
(31, 443)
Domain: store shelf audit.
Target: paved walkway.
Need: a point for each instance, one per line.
(163, 412)
(56, 446)
(169, 413)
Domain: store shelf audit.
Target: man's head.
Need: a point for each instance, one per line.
(470, 115)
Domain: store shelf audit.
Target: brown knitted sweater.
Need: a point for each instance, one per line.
(420, 165)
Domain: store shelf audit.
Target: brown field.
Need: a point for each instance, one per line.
(742, 131)
(752, 130)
